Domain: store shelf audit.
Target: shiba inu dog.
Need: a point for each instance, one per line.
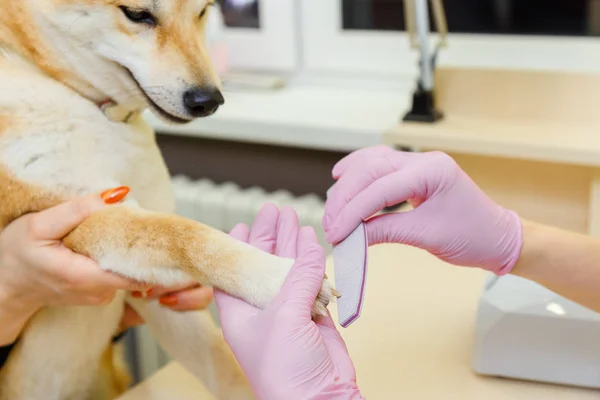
(75, 77)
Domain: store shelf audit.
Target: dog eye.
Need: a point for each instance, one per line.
(139, 16)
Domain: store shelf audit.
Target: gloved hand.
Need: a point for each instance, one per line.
(285, 354)
(452, 218)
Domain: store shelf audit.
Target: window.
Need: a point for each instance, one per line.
(260, 34)
(241, 13)
(368, 36)
(530, 17)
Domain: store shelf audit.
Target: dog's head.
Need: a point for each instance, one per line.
(159, 45)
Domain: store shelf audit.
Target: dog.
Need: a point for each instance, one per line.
(75, 79)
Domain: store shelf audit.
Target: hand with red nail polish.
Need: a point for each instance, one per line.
(186, 297)
(36, 270)
(283, 352)
(115, 195)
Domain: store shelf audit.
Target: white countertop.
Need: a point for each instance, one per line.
(531, 115)
(338, 117)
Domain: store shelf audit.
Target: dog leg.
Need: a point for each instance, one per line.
(114, 376)
(58, 355)
(168, 249)
(193, 339)
(162, 248)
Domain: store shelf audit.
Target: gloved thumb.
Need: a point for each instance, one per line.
(401, 227)
(305, 279)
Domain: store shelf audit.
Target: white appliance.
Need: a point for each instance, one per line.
(525, 331)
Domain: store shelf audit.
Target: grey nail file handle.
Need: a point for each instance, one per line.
(350, 267)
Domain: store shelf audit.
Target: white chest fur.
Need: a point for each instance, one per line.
(59, 140)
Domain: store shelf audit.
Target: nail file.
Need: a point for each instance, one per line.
(350, 267)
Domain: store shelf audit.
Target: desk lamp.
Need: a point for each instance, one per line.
(417, 25)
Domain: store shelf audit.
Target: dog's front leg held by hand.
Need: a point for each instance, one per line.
(168, 249)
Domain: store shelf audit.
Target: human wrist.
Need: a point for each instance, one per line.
(15, 311)
(510, 246)
(531, 250)
(19, 300)
(563, 261)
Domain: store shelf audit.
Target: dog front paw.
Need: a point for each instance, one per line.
(325, 296)
(264, 275)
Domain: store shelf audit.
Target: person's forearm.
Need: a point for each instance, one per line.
(565, 262)
(14, 314)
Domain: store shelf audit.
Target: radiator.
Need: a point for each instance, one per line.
(221, 206)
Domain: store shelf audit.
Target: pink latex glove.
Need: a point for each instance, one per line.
(452, 218)
(285, 354)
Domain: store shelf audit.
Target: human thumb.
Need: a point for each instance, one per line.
(305, 279)
(56, 222)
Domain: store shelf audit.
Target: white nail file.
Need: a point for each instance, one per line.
(350, 267)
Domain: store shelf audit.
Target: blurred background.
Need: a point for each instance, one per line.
(308, 81)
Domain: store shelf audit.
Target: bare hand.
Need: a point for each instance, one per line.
(187, 297)
(37, 270)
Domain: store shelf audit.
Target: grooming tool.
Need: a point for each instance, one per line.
(350, 266)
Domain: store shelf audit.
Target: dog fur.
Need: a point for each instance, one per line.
(60, 60)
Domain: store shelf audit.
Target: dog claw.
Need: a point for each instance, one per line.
(336, 293)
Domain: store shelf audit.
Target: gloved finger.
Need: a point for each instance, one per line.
(355, 180)
(240, 232)
(263, 234)
(402, 227)
(341, 166)
(288, 227)
(338, 350)
(197, 298)
(56, 222)
(232, 310)
(305, 279)
(390, 190)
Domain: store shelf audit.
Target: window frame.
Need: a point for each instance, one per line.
(327, 48)
(272, 46)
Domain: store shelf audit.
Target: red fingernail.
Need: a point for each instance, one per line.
(168, 300)
(115, 195)
(136, 294)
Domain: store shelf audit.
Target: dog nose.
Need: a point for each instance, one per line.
(201, 102)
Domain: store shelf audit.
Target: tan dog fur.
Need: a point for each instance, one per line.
(59, 59)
